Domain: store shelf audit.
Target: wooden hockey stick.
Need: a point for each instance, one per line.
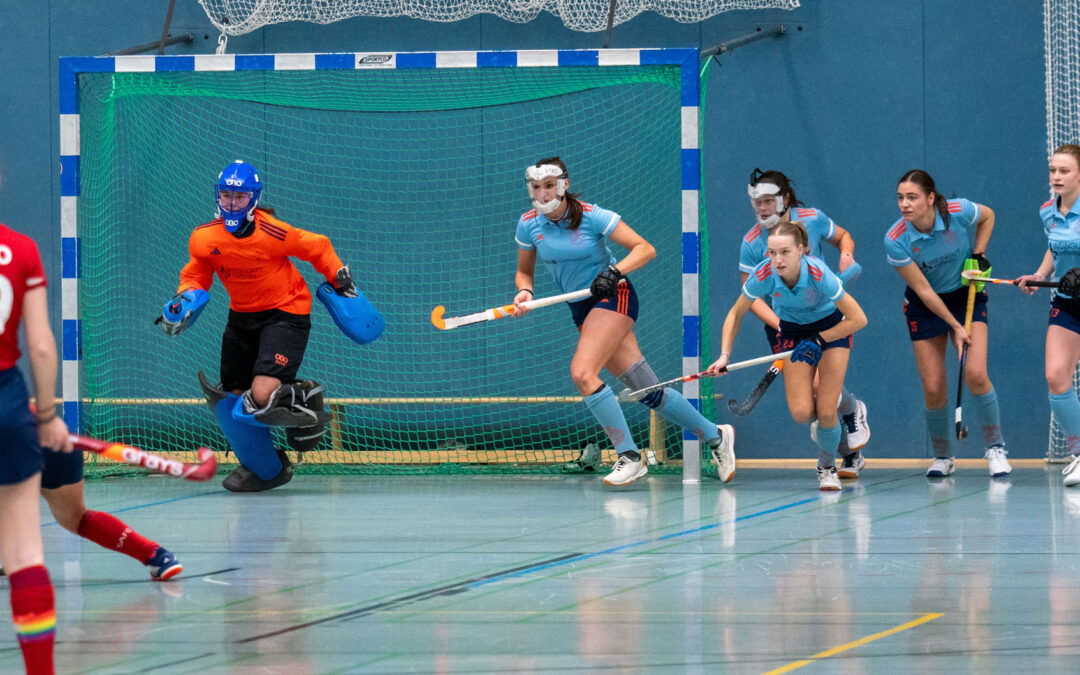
(961, 430)
(448, 323)
(974, 275)
(628, 396)
(746, 406)
(118, 452)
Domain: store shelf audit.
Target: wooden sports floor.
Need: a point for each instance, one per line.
(556, 574)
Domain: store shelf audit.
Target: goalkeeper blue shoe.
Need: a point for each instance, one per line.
(164, 565)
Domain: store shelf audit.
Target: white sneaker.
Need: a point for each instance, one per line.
(852, 465)
(858, 431)
(827, 479)
(999, 466)
(941, 467)
(723, 453)
(626, 471)
(1072, 472)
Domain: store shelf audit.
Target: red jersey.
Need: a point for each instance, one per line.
(256, 270)
(20, 270)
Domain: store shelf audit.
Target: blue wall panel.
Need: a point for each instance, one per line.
(850, 98)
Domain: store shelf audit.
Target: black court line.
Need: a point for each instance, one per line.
(449, 589)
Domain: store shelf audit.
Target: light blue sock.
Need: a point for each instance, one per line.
(827, 441)
(986, 409)
(937, 423)
(847, 402)
(1066, 409)
(605, 408)
(675, 408)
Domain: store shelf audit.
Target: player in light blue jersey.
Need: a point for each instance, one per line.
(930, 246)
(773, 200)
(1061, 222)
(817, 320)
(571, 238)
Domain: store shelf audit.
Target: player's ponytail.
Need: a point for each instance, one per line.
(926, 182)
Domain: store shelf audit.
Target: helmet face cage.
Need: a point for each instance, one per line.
(758, 189)
(238, 177)
(535, 174)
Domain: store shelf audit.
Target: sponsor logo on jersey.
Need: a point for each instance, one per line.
(215, 251)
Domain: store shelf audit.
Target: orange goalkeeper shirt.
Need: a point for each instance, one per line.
(256, 269)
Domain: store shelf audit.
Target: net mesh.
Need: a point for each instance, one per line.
(237, 17)
(1061, 36)
(417, 178)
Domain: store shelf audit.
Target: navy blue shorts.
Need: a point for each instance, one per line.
(61, 468)
(1065, 312)
(773, 336)
(625, 302)
(270, 343)
(20, 454)
(924, 324)
(792, 334)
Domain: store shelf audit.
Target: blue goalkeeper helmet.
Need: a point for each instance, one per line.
(238, 177)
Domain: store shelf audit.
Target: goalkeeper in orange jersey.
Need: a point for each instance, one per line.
(268, 326)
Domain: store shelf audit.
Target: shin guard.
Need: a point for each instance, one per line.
(253, 445)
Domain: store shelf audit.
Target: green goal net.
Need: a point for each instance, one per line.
(417, 177)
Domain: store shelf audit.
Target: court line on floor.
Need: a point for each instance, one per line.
(143, 506)
(839, 649)
(468, 584)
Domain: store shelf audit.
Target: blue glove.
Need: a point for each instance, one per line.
(182, 311)
(808, 350)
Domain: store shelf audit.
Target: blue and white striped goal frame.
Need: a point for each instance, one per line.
(686, 59)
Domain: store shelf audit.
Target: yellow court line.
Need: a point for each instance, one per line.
(857, 643)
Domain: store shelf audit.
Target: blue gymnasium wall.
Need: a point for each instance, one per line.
(854, 95)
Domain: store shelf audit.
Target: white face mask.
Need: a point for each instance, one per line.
(764, 190)
(537, 174)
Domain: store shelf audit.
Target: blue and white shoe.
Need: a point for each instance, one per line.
(164, 565)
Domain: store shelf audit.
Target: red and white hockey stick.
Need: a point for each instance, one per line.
(627, 396)
(118, 452)
(974, 276)
(447, 323)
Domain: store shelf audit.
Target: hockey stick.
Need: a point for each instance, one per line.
(119, 452)
(974, 275)
(448, 323)
(746, 406)
(961, 430)
(627, 396)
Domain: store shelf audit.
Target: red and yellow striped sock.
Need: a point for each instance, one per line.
(34, 613)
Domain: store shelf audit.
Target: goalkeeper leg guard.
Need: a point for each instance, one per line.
(253, 445)
(290, 405)
(306, 439)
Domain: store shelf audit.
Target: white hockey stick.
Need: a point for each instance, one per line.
(447, 323)
(629, 396)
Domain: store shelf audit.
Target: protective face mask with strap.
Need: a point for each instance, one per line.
(536, 174)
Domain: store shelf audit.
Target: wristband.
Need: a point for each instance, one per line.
(529, 290)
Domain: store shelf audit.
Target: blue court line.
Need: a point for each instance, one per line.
(616, 549)
(143, 506)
